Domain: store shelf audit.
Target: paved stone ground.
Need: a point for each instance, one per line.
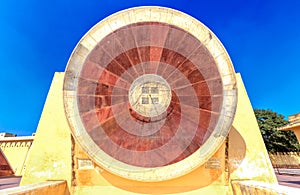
(288, 177)
(9, 182)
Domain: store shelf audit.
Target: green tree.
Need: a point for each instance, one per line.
(275, 140)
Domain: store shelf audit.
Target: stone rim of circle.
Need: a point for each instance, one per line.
(150, 14)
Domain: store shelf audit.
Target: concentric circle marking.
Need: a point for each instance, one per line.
(149, 93)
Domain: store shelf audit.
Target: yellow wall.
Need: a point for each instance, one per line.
(15, 150)
(297, 133)
(249, 187)
(50, 155)
(248, 157)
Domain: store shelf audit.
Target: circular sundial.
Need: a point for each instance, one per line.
(149, 93)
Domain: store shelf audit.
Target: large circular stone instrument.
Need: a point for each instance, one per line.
(149, 93)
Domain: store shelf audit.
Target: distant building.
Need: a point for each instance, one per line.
(294, 125)
(15, 151)
(4, 134)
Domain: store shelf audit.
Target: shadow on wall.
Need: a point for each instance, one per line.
(236, 150)
(197, 179)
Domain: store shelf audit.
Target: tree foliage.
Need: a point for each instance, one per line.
(275, 140)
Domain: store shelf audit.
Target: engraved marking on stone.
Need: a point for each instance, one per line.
(145, 100)
(213, 163)
(154, 90)
(145, 90)
(85, 164)
(150, 95)
(155, 100)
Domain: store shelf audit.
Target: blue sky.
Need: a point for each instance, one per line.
(37, 38)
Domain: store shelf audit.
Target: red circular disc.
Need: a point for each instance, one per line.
(148, 96)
